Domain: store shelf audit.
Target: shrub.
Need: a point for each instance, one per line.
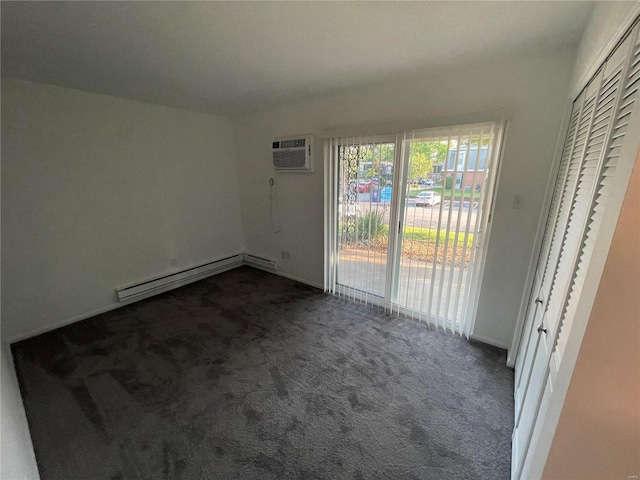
(370, 225)
(448, 183)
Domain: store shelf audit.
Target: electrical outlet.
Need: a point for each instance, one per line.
(517, 202)
(286, 255)
(173, 262)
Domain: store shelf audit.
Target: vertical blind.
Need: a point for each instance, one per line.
(385, 247)
(357, 230)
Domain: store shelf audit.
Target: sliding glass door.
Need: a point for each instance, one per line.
(409, 212)
(442, 222)
(364, 210)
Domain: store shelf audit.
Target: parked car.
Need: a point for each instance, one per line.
(427, 198)
(425, 182)
(365, 185)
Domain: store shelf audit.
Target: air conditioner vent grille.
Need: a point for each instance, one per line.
(289, 158)
(293, 154)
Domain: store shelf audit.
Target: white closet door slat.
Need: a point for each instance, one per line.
(625, 106)
(561, 180)
(572, 191)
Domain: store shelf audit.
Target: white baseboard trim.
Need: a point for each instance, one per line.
(298, 279)
(66, 321)
(489, 341)
(156, 291)
(124, 303)
(113, 306)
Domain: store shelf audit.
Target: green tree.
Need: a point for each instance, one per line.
(384, 152)
(421, 166)
(423, 156)
(377, 155)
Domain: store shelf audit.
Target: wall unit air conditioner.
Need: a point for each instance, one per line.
(293, 154)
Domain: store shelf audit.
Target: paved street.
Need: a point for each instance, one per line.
(426, 217)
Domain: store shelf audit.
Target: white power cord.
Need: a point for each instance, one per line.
(273, 205)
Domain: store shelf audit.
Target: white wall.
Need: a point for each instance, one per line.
(17, 460)
(608, 21)
(529, 92)
(98, 192)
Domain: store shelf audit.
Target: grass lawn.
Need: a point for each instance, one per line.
(429, 235)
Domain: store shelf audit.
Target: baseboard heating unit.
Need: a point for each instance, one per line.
(259, 262)
(176, 279)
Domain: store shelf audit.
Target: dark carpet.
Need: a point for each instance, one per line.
(250, 375)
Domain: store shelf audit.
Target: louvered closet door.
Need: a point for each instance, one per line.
(537, 301)
(597, 130)
(582, 173)
(533, 372)
(619, 99)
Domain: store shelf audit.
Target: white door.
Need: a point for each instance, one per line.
(531, 364)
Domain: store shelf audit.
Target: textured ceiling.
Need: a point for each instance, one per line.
(237, 57)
